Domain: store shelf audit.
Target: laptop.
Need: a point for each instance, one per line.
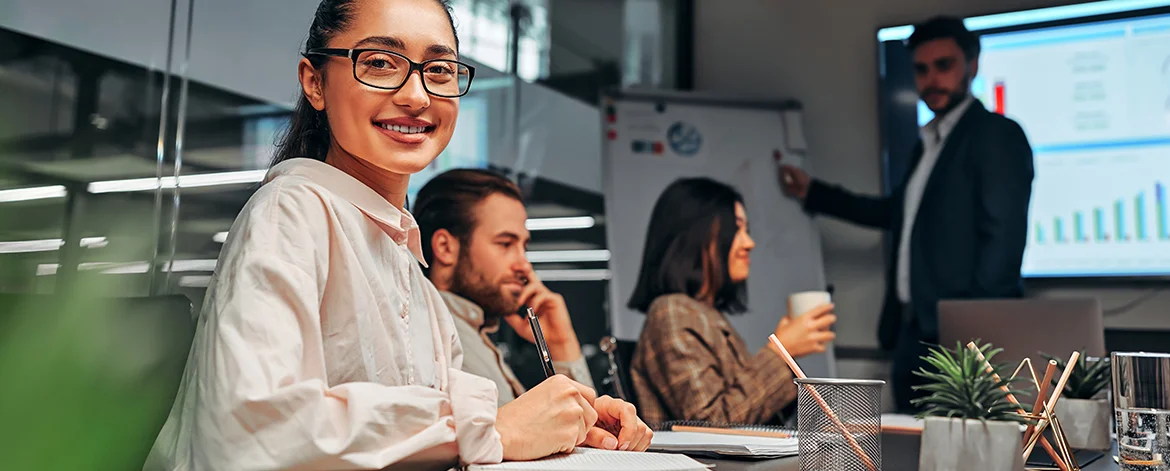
(1024, 328)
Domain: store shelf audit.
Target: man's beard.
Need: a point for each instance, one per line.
(953, 98)
(470, 284)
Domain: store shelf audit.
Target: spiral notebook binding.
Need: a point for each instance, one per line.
(666, 426)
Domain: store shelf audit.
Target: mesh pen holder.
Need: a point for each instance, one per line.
(856, 405)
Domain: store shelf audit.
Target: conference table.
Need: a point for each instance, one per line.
(899, 453)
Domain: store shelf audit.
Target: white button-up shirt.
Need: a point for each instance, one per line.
(321, 345)
(934, 138)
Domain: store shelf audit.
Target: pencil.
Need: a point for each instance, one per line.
(1012, 398)
(1068, 369)
(1045, 388)
(824, 405)
(730, 431)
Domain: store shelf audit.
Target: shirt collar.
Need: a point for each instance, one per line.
(398, 224)
(470, 312)
(944, 124)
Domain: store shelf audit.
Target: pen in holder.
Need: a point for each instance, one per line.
(541, 346)
(854, 404)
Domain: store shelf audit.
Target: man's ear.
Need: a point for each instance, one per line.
(974, 66)
(445, 248)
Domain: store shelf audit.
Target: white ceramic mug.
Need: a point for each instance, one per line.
(803, 302)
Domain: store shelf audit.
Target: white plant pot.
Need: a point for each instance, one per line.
(970, 445)
(1086, 423)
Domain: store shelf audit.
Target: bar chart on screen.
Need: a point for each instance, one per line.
(1116, 228)
(1100, 212)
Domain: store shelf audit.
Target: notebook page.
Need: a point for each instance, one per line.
(590, 459)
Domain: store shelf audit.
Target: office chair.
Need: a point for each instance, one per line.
(120, 396)
(617, 381)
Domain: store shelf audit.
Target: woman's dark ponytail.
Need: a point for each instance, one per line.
(307, 134)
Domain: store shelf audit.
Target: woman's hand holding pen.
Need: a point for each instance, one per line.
(559, 414)
(809, 333)
(553, 417)
(554, 318)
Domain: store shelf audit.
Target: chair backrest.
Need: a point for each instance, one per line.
(137, 349)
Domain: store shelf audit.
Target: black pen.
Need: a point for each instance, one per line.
(541, 346)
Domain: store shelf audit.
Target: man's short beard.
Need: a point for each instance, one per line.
(955, 98)
(470, 284)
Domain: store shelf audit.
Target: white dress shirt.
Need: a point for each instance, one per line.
(934, 137)
(321, 345)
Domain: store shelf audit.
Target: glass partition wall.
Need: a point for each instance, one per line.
(125, 159)
(129, 142)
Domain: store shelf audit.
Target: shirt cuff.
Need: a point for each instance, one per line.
(577, 370)
(473, 405)
(812, 198)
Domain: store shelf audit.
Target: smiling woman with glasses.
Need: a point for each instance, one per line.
(321, 344)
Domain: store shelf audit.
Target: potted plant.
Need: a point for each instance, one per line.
(1083, 409)
(970, 423)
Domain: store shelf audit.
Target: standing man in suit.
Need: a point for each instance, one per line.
(959, 222)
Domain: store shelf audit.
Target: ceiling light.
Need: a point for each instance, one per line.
(126, 268)
(184, 181)
(560, 223)
(219, 237)
(119, 268)
(195, 281)
(105, 267)
(573, 275)
(27, 246)
(568, 256)
(92, 242)
(32, 193)
(48, 245)
(191, 265)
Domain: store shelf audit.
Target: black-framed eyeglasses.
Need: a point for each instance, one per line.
(389, 70)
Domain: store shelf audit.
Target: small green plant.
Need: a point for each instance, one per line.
(962, 388)
(1086, 380)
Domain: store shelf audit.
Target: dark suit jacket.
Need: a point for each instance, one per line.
(971, 227)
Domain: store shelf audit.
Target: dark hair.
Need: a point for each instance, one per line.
(943, 27)
(307, 134)
(691, 214)
(446, 202)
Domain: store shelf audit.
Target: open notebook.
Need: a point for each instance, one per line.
(724, 439)
(698, 443)
(590, 459)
